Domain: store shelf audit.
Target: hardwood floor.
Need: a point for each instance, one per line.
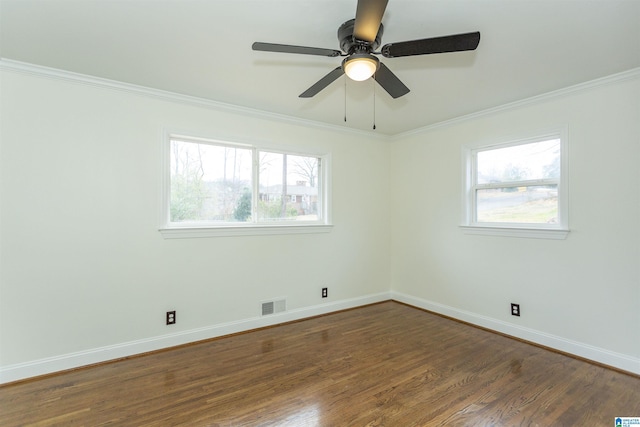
(382, 365)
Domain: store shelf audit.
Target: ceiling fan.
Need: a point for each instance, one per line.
(360, 37)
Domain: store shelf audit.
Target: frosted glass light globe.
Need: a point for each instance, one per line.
(360, 67)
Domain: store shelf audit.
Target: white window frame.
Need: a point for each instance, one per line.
(470, 225)
(182, 230)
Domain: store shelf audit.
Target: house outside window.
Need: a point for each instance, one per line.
(517, 188)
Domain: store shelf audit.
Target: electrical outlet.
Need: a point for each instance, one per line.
(515, 309)
(325, 292)
(171, 317)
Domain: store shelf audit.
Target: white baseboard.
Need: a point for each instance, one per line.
(586, 351)
(64, 362)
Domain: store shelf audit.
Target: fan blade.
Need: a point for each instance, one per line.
(322, 83)
(454, 43)
(390, 82)
(368, 18)
(286, 48)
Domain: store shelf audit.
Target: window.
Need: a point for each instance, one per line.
(218, 188)
(517, 188)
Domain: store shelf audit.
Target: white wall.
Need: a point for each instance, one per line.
(85, 275)
(581, 294)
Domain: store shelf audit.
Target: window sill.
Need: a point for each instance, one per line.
(528, 233)
(252, 230)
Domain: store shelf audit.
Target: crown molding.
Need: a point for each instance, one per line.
(84, 79)
(57, 74)
(603, 81)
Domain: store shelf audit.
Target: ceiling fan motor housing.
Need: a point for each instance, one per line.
(350, 44)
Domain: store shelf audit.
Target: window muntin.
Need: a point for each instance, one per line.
(517, 185)
(217, 184)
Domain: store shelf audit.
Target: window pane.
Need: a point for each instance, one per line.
(210, 182)
(537, 160)
(288, 187)
(530, 205)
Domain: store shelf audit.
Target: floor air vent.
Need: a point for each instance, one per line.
(272, 307)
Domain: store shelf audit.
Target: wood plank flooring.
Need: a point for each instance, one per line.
(382, 365)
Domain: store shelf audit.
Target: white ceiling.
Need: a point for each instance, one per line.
(202, 48)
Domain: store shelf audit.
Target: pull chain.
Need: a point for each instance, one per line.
(345, 98)
(374, 101)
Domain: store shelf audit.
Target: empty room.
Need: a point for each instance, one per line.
(319, 213)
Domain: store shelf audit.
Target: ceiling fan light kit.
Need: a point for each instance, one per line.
(360, 67)
(360, 37)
